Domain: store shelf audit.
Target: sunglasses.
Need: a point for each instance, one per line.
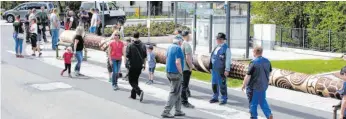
(116, 35)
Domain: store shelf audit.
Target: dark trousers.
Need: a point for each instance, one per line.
(98, 30)
(42, 32)
(67, 67)
(27, 33)
(185, 86)
(133, 80)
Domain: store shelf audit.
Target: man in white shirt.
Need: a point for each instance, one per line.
(93, 22)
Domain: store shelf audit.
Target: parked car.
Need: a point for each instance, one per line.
(112, 13)
(23, 8)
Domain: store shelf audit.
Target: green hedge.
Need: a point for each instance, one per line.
(157, 29)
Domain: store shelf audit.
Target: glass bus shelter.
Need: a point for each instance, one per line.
(207, 19)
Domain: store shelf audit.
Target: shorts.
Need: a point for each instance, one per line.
(109, 67)
(151, 70)
(92, 29)
(33, 40)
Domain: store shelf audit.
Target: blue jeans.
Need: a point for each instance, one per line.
(79, 57)
(116, 69)
(55, 38)
(19, 44)
(219, 85)
(256, 97)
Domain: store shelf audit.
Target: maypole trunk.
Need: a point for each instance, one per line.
(313, 84)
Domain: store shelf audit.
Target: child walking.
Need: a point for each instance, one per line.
(151, 63)
(67, 59)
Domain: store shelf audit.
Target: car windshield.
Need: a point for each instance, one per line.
(88, 6)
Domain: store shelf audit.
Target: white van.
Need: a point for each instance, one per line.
(112, 13)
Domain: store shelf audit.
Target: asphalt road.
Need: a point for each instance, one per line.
(33, 89)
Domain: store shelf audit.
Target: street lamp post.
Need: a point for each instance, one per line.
(148, 22)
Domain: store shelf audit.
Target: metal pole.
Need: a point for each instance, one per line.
(194, 28)
(103, 18)
(175, 14)
(280, 36)
(149, 22)
(95, 5)
(185, 17)
(248, 31)
(330, 40)
(228, 23)
(303, 38)
(211, 30)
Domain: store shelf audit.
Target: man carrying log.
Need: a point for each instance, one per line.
(220, 65)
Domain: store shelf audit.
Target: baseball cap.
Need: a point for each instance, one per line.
(221, 36)
(151, 47)
(185, 33)
(343, 71)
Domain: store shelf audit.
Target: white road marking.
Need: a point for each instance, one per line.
(51, 86)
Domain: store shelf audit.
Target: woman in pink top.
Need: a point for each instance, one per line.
(115, 53)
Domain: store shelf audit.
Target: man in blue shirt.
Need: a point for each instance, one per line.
(220, 65)
(343, 93)
(256, 82)
(174, 69)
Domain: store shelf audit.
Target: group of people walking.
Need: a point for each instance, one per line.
(179, 66)
(136, 55)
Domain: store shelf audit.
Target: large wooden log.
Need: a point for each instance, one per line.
(317, 85)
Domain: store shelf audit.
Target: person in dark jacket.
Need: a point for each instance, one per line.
(256, 82)
(27, 26)
(42, 22)
(136, 53)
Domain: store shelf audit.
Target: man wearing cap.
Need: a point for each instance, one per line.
(256, 82)
(343, 93)
(188, 66)
(174, 69)
(220, 61)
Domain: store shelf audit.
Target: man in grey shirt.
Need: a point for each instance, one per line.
(256, 82)
(188, 66)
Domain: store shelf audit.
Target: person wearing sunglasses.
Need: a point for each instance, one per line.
(115, 53)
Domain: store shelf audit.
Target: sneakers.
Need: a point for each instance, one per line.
(39, 55)
(33, 55)
(69, 75)
(179, 113)
(141, 96)
(188, 105)
(223, 102)
(167, 115)
(214, 101)
(150, 82)
(21, 56)
(115, 87)
(110, 80)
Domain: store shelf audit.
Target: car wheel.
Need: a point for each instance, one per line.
(10, 18)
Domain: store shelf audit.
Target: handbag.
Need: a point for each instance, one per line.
(20, 35)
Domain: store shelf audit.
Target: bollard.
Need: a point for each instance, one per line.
(57, 51)
(335, 110)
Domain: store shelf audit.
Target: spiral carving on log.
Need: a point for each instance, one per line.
(317, 85)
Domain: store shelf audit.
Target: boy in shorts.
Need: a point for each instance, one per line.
(151, 63)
